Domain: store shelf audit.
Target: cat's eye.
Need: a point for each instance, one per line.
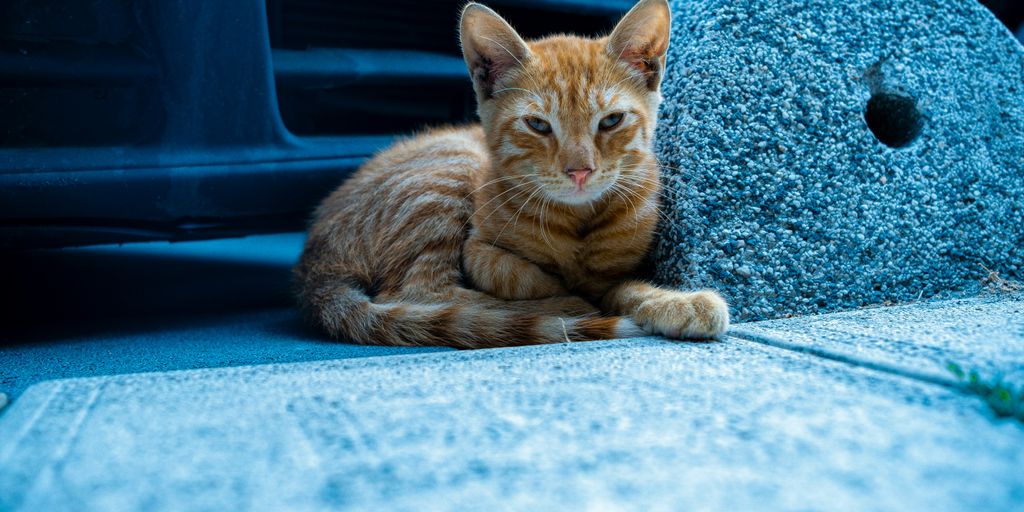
(538, 125)
(611, 121)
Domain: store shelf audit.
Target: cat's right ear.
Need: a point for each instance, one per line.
(491, 47)
(641, 39)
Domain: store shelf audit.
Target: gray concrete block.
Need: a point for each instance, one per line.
(983, 333)
(823, 155)
(639, 424)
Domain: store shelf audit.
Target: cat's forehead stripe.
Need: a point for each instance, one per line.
(573, 77)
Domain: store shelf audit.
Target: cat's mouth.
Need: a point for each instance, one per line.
(576, 193)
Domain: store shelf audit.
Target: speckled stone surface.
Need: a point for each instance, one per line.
(984, 333)
(635, 424)
(780, 193)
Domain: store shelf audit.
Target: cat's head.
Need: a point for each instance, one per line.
(575, 115)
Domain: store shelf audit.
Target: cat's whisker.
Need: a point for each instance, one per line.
(614, 189)
(686, 172)
(523, 207)
(642, 181)
(544, 226)
(636, 214)
(660, 195)
(524, 178)
(657, 210)
(538, 218)
(496, 180)
(638, 178)
(660, 166)
(646, 186)
(649, 179)
(539, 222)
(495, 209)
(639, 196)
(516, 215)
(496, 197)
(626, 175)
(629, 170)
(548, 204)
(499, 207)
(485, 185)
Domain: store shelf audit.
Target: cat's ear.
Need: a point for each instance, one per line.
(491, 47)
(641, 39)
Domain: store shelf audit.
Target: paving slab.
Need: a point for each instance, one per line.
(984, 333)
(641, 424)
(214, 340)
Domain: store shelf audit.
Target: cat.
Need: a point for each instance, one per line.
(524, 229)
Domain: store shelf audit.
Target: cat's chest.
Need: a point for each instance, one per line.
(587, 256)
(579, 258)
(565, 256)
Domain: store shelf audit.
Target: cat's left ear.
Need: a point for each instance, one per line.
(492, 48)
(641, 39)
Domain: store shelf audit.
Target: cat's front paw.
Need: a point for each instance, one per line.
(702, 315)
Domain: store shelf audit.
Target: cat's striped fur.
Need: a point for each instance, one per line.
(524, 229)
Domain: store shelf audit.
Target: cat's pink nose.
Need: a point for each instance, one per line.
(579, 176)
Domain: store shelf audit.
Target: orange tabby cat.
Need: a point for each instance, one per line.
(512, 232)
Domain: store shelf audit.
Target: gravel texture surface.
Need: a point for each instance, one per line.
(824, 155)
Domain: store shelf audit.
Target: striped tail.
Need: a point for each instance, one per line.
(346, 312)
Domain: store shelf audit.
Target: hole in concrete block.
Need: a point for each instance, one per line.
(893, 119)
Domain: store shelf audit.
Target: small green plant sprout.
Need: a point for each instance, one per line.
(1005, 399)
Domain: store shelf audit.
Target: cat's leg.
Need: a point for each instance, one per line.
(567, 306)
(506, 275)
(675, 314)
(562, 306)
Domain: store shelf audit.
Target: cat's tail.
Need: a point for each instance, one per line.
(346, 312)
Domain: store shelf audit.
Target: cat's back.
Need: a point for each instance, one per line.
(428, 159)
(448, 152)
(432, 171)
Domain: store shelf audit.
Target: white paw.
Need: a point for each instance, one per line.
(702, 315)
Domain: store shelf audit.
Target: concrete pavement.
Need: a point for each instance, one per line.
(643, 424)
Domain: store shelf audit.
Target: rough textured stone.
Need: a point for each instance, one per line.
(983, 333)
(639, 424)
(780, 194)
